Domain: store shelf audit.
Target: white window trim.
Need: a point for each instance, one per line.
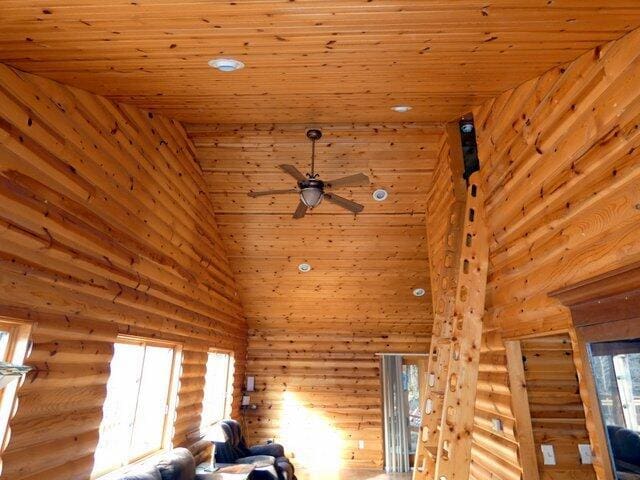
(170, 412)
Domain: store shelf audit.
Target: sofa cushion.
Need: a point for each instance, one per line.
(178, 464)
(258, 460)
(143, 473)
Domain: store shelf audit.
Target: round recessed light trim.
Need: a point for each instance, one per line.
(466, 127)
(401, 108)
(226, 64)
(380, 195)
(419, 292)
(304, 267)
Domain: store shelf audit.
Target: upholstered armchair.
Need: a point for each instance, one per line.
(269, 459)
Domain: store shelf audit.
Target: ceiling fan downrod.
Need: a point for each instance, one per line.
(314, 135)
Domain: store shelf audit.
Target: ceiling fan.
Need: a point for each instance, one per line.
(312, 190)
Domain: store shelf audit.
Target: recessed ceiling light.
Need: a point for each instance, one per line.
(466, 127)
(419, 292)
(304, 267)
(380, 195)
(226, 64)
(401, 108)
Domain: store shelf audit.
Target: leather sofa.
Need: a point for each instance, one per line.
(625, 447)
(269, 459)
(178, 464)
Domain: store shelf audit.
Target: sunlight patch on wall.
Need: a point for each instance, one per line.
(314, 442)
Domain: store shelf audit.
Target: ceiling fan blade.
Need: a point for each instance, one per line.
(344, 203)
(351, 181)
(293, 171)
(271, 192)
(301, 211)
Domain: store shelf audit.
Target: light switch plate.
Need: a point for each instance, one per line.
(246, 400)
(548, 455)
(251, 381)
(361, 444)
(586, 457)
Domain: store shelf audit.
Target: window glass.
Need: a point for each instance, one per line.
(633, 361)
(14, 344)
(137, 403)
(616, 370)
(607, 387)
(217, 390)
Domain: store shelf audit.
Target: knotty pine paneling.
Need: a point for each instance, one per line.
(494, 454)
(319, 393)
(557, 414)
(364, 267)
(315, 335)
(322, 60)
(105, 228)
(560, 164)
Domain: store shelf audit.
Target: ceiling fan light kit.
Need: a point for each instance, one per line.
(312, 190)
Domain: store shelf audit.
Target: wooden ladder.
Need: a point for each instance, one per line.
(444, 446)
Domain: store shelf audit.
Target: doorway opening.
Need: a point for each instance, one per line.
(403, 383)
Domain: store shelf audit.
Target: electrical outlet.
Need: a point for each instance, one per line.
(548, 455)
(497, 424)
(361, 444)
(586, 456)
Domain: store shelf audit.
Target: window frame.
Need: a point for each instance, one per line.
(19, 347)
(171, 402)
(228, 396)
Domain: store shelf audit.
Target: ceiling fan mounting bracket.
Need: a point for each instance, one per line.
(314, 134)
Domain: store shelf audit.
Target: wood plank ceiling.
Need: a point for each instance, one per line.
(306, 60)
(364, 267)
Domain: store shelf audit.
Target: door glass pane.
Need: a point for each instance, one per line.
(149, 423)
(119, 407)
(411, 377)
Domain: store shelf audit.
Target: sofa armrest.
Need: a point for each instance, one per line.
(626, 466)
(271, 449)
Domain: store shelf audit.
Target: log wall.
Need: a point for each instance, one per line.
(314, 336)
(561, 170)
(320, 392)
(105, 228)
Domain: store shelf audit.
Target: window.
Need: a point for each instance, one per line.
(218, 388)
(141, 393)
(14, 345)
(616, 370)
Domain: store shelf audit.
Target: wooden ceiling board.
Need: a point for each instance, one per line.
(364, 267)
(306, 60)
